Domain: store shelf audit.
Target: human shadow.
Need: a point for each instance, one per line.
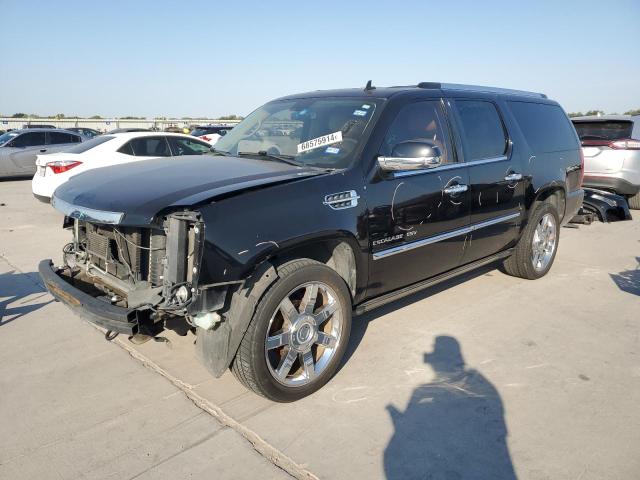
(452, 428)
(14, 290)
(628, 280)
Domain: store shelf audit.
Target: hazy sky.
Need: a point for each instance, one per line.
(196, 58)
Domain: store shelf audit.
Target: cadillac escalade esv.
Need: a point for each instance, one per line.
(316, 207)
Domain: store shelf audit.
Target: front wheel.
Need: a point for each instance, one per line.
(536, 250)
(298, 333)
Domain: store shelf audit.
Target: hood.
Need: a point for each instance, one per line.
(139, 190)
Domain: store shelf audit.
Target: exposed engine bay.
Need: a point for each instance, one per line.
(154, 270)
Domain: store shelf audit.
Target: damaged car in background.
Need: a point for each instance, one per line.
(315, 207)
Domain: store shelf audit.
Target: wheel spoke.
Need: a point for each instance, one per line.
(308, 302)
(288, 310)
(280, 339)
(309, 365)
(324, 314)
(326, 340)
(286, 363)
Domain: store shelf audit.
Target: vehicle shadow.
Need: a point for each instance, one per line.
(628, 280)
(361, 323)
(452, 428)
(14, 290)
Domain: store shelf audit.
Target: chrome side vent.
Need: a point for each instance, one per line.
(342, 200)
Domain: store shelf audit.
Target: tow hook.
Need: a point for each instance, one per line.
(110, 335)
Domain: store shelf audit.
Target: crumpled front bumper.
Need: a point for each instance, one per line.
(97, 311)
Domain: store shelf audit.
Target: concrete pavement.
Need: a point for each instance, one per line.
(487, 376)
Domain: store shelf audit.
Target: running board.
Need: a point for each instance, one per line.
(416, 287)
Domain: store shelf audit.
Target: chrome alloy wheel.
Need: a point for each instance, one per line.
(544, 242)
(303, 334)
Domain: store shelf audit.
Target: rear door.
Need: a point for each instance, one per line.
(495, 177)
(416, 228)
(58, 141)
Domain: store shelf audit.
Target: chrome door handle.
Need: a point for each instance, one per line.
(456, 189)
(513, 177)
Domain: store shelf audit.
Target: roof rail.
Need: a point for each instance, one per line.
(478, 88)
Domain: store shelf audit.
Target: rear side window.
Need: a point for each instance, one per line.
(605, 130)
(126, 149)
(546, 127)
(150, 147)
(483, 133)
(30, 139)
(56, 138)
(187, 146)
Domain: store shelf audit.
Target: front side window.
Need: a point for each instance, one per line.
(319, 132)
(31, 139)
(420, 122)
(186, 146)
(150, 147)
(7, 137)
(483, 133)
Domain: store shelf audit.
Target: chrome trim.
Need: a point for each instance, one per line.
(342, 200)
(443, 236)
(88, 214)
(449, 166)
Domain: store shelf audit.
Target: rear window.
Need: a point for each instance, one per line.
(545, 127)
(89, 144)
(604, 130)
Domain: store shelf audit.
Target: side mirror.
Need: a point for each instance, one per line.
(222, 133)
(411, 155)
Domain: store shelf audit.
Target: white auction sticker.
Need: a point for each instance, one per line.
(318, 142)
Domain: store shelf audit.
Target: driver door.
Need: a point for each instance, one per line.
(24, 149)
(418, 217)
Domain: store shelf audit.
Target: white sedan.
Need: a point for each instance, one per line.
(106, 150)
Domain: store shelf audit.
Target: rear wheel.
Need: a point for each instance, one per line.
(298, 334)
(634, 202)
(535, 252)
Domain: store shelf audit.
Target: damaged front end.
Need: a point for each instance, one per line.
(135, 280)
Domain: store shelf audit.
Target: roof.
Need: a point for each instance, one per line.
(24, 130)
(386, 92)
(604, 118)
(128, 135)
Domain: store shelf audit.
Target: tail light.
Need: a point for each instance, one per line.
(626, 144)
(62, 166)
(205, 138)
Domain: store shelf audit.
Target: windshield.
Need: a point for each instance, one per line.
(320, 132)
(89, 144)
(6, 137)
(609, 130)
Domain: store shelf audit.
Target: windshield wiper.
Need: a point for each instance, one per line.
(220, 152)
(281, 158)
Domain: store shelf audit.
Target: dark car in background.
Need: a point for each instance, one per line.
(611, 148)
(362, 197)
(85, 132)
(211, 133)
(19, 148)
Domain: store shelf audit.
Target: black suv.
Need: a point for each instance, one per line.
(315, 207)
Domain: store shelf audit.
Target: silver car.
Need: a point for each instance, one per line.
(611, 147)
(19, 148)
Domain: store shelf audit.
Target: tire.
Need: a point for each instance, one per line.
(634, 202)
(310, 342)
(521, 262)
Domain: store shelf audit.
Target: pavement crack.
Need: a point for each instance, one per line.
(270, 453)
